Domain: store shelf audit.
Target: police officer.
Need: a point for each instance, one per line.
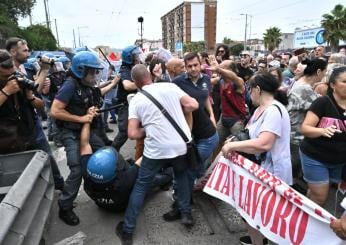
(130, 56)
(69, 108)
(108, 178)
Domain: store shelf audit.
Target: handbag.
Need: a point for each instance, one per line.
(245, 135)
(192, 155)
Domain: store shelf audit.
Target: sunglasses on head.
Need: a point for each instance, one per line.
(7, 64)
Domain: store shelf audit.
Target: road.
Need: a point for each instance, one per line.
(216, 221)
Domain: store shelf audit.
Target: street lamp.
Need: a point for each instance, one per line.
(140, 20)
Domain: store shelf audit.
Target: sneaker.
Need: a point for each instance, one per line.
(172, 215)
(69, 217)
(246, 240)
(125, 237)
(187, 220)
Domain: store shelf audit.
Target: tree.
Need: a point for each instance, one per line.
(227, 41)
(39, 37)
(194, 46)
(334, 25)
(17, 8)
(236, 49)
(272, 38)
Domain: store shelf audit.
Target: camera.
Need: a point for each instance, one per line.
(46, 60)
(23, 81)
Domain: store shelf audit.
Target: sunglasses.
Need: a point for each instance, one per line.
(7, 64)
(221, 51)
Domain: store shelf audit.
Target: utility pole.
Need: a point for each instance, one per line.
(47, 13)
(245, 37)
(57, 34)
(74, 39)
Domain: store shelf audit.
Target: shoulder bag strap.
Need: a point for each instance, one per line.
(166, 114)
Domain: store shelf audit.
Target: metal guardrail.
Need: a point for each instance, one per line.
(24, 210)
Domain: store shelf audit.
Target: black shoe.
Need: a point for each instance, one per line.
(125, 238)
(50, 138)
(69, 217)
(113, 122)
(246, 240)
(109, 130)
(187, 220)
(172, 215)
(59, 187)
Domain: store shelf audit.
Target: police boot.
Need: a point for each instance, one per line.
(68, 216)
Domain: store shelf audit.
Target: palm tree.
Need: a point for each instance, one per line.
(272, 38)
(334, 25)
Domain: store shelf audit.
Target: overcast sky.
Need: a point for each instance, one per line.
(114, 22)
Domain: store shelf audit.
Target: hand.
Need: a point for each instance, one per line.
(339, 227)
(93, 111)
(330, 131)
(11, 87)
(227, 148)
(88, 118)
(116, 80)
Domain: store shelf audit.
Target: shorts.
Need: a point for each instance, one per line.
(316, 172)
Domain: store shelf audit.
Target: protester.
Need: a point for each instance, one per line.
(322, 150)
(175, 67)
(222, 53)
(301, 95)
(164, 146)
(269, 131)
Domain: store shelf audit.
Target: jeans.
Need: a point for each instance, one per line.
(71, 142)
(41, 143)
(121, 137)
(228, 126)
(146, 174)
(53, 130)
(205, 149)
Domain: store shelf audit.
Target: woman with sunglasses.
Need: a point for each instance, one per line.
(222, 53)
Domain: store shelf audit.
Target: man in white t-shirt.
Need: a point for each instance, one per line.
(163, 146)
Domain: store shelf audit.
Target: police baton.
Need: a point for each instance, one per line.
(110, 108)
(110, 64)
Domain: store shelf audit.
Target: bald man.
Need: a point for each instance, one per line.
(175, 67)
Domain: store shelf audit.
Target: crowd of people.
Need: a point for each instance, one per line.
(283, 101)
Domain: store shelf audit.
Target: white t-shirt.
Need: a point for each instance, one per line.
(162, 140)
(278, 159)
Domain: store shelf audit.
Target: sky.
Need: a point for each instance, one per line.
(114, 22)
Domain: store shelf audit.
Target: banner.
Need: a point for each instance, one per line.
(268, 204)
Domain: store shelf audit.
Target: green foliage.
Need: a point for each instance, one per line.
(39, 37)
(16, 8)
(194, 47)
(272, 38)
(236, 49)
(8, 28)
(334, 25)
(227, 41)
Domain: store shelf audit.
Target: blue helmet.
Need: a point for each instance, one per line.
(65, 61)
(128, 54)
(102, 165)
(83, 60)
(32, 65)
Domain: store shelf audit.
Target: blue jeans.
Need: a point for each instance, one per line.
(41, 143)
(71, 142)
(146, 174)
(205, 149)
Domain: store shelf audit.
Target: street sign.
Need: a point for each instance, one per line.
(178, 46)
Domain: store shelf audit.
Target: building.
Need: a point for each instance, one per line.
(287, 41)
(150, 45)
(255, 45)
(190, 22)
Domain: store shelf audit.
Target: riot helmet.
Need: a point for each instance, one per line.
(66, 62)
(102, 165)
(132, 55)
(32, 65)
(83, 61)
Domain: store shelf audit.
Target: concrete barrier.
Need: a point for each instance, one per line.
(27, 189)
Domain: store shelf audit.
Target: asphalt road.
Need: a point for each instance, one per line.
(216, 221)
